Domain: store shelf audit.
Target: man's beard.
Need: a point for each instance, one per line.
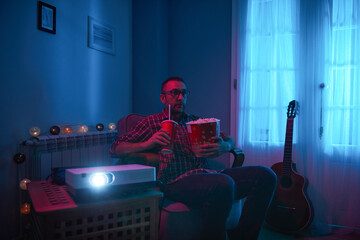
(178, 108)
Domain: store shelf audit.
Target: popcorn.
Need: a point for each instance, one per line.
(201, 132)
(204, 120)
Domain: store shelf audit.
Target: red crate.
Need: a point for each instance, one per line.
(56, 216)
(46, 196)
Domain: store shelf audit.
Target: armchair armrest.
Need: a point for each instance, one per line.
(239, 157)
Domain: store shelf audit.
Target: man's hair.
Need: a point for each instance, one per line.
(171, 79)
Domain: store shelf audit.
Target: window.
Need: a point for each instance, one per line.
(271, 66)
(342, 99)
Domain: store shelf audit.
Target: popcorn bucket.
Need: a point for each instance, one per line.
(201, 131)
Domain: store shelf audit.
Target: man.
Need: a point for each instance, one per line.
(187, 179)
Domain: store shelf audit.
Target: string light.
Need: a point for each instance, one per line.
(25, 208)
(23, 183)
(34, 131)
(54, 130)
(19, 158)
(82, 129)
(67, 130)
(100, 127)
(112, 126)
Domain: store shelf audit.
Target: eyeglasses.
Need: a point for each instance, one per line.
(176, 93)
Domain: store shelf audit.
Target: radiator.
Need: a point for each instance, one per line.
(69, 150)
(43, 153)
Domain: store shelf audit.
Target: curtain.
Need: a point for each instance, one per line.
(267, 78)
(308, 51)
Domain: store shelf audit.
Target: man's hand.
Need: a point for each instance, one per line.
(215, 149)
(160, 138)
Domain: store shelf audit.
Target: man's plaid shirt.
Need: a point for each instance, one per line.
(172, 167)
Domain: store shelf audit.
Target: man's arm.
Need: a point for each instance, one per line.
(121, 148)
(230, 142)
(219, 146)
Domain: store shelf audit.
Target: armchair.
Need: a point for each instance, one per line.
(176, 216)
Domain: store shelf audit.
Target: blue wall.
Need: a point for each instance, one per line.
(188, 38)
(200, 51)
(150, 53)
(51, 79)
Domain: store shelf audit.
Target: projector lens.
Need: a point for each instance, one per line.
(101, 179)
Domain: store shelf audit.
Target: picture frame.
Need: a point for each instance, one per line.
(46, 17)
(101, 36)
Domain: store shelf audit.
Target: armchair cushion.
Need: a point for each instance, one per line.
(128, 122)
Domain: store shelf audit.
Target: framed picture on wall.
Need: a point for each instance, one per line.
(46, 17)
(101, 36)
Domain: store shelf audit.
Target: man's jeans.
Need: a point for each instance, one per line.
(215, 192)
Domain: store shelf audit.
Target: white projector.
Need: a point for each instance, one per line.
(109, 180)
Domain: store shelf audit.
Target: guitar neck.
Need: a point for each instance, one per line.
(288, 147)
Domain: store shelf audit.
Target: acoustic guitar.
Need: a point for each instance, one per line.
(290, 210)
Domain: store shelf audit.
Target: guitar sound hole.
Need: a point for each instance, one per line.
(285, 181)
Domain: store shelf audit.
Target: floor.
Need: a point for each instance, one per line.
(337, 233)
